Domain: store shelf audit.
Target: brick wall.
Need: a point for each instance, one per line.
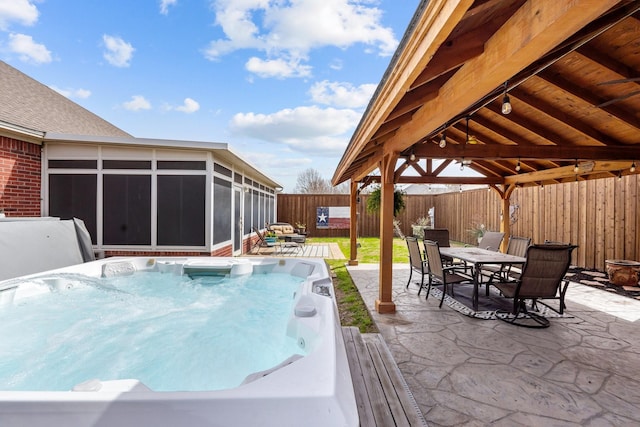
(20, 177)
(225, 251)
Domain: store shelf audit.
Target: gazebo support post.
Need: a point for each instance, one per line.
(384, 304)
(505, 223)
(353, 224)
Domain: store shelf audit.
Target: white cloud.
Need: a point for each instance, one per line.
(279, 68)
(336, 64)
(28, 50)
(73, 93)
(137, 103)
(341, 94)
(189, 106)
(20, 11)
(304, 129)
(164, 5)
(292, 28)
(119, 52)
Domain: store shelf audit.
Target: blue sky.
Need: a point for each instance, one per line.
(283, 82)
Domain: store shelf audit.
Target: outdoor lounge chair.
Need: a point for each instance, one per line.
(262, 241)
(451, 275)
(416, 262)
(542, 277)
(278, 245)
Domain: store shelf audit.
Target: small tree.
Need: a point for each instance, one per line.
(310, 181)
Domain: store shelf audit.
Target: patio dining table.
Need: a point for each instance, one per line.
(479, 257)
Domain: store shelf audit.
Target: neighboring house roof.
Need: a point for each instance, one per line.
(27, 103)
(37, 113)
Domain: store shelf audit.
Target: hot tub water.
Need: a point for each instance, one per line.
(169, 332)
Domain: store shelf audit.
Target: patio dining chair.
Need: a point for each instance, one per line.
(518, 247)
(450, 275)
(441, 236)
(416, 262)
(491, 240)
(542, 277)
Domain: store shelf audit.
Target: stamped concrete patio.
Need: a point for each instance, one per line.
(584, 370)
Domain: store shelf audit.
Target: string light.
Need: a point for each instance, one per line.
(619, 175)
(506, 102)
(518, 166)
(576, 168)
(443, 139)
(470, 139)
(412, 157)
(632, 169)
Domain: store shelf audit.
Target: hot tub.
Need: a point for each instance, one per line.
(312, 388)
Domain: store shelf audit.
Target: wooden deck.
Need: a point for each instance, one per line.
(382, 395)
(308, 250)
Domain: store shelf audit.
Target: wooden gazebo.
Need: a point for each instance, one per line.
(525, 92)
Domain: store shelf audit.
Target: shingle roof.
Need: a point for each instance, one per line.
(30, 104)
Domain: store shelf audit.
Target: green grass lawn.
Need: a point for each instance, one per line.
(352, 309)
(369, 250)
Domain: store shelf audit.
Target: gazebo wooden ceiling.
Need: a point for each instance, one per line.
(570, 68)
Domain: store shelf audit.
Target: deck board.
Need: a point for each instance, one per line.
(382, 395)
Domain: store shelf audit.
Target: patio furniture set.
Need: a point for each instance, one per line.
(524, 273)
(283, 236)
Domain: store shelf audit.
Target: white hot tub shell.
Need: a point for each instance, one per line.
(314, 390)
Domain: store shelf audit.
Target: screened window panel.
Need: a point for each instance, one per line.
(126, 164)
(73, 164)
(263, 219)
(74, 196)
(181, 210)
(237, 214)
(222, 210)
(127, 210)
(182, 165)
(271, 209)
(248, 220)
(255, 209)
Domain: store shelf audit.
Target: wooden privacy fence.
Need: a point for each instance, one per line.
(600, 216)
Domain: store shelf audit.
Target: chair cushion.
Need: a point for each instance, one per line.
(282, 229)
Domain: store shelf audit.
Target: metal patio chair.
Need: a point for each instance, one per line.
(491, 240)
(517, 246)
(416, 262)
(441, 236)
(450, 275)
(542, 277)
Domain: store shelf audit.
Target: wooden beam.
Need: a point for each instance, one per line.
(584, 168)
(590, 98)
(430, 30)
(415, 98)
(433, 179)
(528, 152)
(535, 29)
(560, 117)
